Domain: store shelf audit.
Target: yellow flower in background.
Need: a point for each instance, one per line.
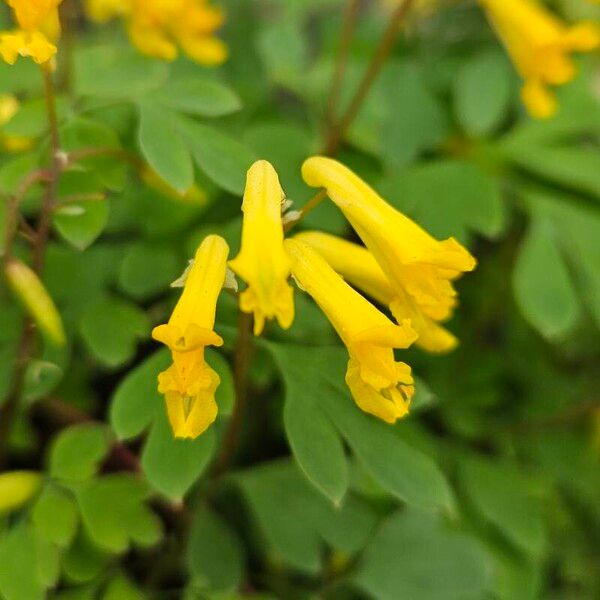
(419, 268)
(34, 14)
(379, 385)
(9, 107)
(159, 28)
(189, 384)
(358, 266)
(262, 262)
(540, 45)
(38, 28)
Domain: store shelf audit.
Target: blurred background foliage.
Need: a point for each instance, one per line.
(490, 489)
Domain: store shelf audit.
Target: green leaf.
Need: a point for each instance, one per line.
(111, 328)
(415, 555)
(116, 72)
(136, 400)
(54, 516)
(14, 171)
(214, 553)
(28, 564)
(313, 438)
(163, 147)
(542, 284)
(173, 465)
(403, 470)
(414, 118)
(221, 157)
(32, 118)
(201, 97)
(297, 533)
(148, 269)
(448, 198)
(84, 561)
(120, 588)
(574, 167)
(482, 92)
(80, 223)
(317, 374)
(114, 512)
(283, 50)
(503, 498)
(576, 227)
(78, 450)
(80, 133)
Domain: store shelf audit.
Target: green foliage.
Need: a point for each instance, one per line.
(416, 554)
(314, 429)
(488, 490)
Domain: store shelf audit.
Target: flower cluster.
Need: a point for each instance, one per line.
(159, 28)
(38, 29)
(400, 266)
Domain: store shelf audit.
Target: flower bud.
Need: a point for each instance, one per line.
(29, 289)
(16, 488)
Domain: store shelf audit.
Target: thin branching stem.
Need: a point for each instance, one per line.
(351, 13)
(336, 132)
(50, 178)
(385, 47)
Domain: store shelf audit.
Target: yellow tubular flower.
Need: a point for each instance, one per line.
(32, 14)
(540, 45)
(189, 384)
(262, 262)
(379, 385)
(23, 43)
(39, 26)
(420, 268)
(358, 266)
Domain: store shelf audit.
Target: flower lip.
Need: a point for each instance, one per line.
(193, 338)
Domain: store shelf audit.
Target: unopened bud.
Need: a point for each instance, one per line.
(180, 281)
(16, 488)
(291, 216)
(29, 289)
(230, 281)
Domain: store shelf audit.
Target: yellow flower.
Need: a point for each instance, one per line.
(420, 269)
(9, 107)
(38, 27)
(24, 43)
(159, 28)
(379, 385)
(262, 262)
(358, 266)
(33, 14)
(189, 384)
(540, 45)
